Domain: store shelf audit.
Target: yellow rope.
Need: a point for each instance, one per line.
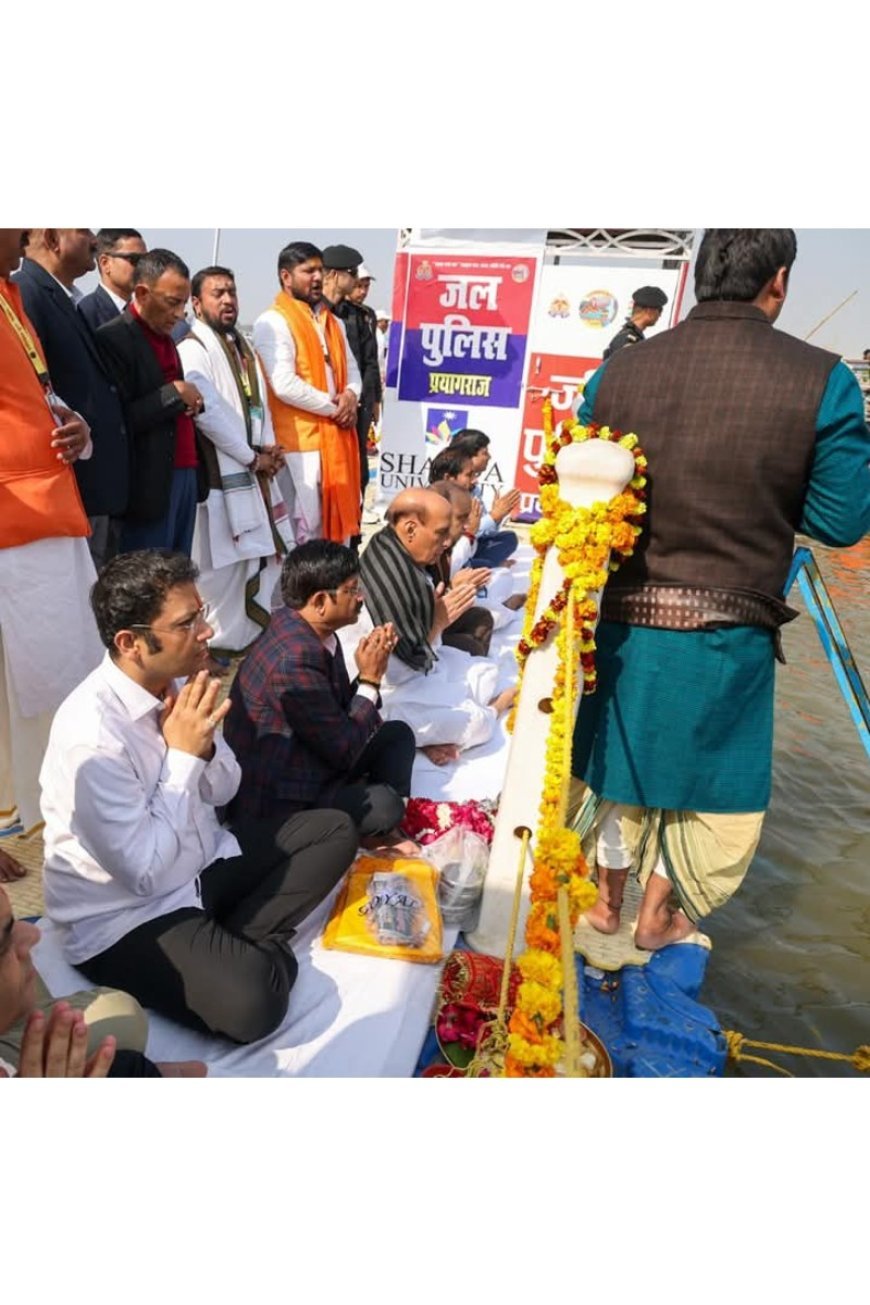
(570, 995)
(736, 1042)
(512, 928)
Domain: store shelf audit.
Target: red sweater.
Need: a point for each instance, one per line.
(167, 356)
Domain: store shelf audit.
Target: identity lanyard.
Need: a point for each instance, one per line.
(27, 341)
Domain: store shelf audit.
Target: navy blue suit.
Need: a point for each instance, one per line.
(97, 308)
(80, 377)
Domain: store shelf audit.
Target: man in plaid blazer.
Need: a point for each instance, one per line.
(304, 735)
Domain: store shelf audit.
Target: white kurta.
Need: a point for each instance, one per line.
(233, 542)
(48, 644)
(300, 482)
(449, 705)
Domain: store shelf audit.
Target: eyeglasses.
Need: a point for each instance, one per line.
(132, 259)
(353, 591)
(187, 626)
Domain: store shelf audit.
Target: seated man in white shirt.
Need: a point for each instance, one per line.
(153, 895)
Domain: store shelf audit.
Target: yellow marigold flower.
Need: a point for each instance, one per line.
(582, 894)
(534, 999)
(549, 1052)
(629, 441)
(541, 968)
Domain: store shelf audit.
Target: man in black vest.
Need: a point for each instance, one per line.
(647, 304)
(341, 265)
(56, 257)
(751, 435)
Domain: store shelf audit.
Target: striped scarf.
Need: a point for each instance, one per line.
(397, 590)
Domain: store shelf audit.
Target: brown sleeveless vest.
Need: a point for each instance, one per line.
(725, 409)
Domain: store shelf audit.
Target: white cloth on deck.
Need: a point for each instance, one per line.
(48, 644)
(233, 542)
(449, 705)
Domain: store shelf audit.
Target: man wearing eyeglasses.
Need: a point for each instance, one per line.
(56, 258)
(140, 875)
(159, 405)
(118, 252)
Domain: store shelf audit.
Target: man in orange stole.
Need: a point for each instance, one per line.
(48, 639)
(313, 386)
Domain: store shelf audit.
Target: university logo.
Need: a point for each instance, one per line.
(443, 423)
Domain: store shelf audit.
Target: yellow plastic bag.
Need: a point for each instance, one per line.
(388, 907)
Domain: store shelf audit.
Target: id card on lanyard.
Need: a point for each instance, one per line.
(257, 419)
(56, 406)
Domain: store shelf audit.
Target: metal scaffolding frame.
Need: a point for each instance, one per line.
(601, 242)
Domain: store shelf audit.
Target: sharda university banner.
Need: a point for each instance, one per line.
(466, 329)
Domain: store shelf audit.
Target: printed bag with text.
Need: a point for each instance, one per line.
(388, 907)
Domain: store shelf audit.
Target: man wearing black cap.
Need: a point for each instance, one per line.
(341, 264)
(646, 309)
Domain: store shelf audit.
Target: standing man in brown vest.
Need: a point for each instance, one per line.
(751, 435)
(313, 386)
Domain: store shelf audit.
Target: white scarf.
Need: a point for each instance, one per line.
(238, 523)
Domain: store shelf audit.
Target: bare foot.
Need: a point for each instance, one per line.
(10, 869)
(602, 917)
(441, 753)
(504, 701)
(652, 937)
(182, 1068)
(515, 602)
(393, 841)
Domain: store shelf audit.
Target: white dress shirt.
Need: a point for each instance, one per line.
(276, 348)
(129, 822)
(119, 303)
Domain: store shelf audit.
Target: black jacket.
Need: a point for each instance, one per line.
(629, 334)
(98, 308)
(364, 347)
(151, 406)
(80, 377)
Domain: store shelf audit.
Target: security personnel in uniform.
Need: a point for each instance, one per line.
(646, 309)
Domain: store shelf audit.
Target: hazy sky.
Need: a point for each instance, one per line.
(831, 264)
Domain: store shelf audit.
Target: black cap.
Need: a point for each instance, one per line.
(341, 258)
(648, 296)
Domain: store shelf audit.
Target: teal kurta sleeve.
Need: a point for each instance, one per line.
(587, 407)
(837, 505)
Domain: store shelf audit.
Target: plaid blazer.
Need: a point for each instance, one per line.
(295, 722)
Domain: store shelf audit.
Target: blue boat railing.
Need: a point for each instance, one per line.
(805, 570)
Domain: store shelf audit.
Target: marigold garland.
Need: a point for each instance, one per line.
(584, 537)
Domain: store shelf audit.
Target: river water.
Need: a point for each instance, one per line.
(791, 950)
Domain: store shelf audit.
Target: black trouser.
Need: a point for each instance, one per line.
(380, 780)
(225, 969)
(132, 1064)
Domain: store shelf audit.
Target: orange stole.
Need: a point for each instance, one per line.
(39, 496)
(299, 431)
